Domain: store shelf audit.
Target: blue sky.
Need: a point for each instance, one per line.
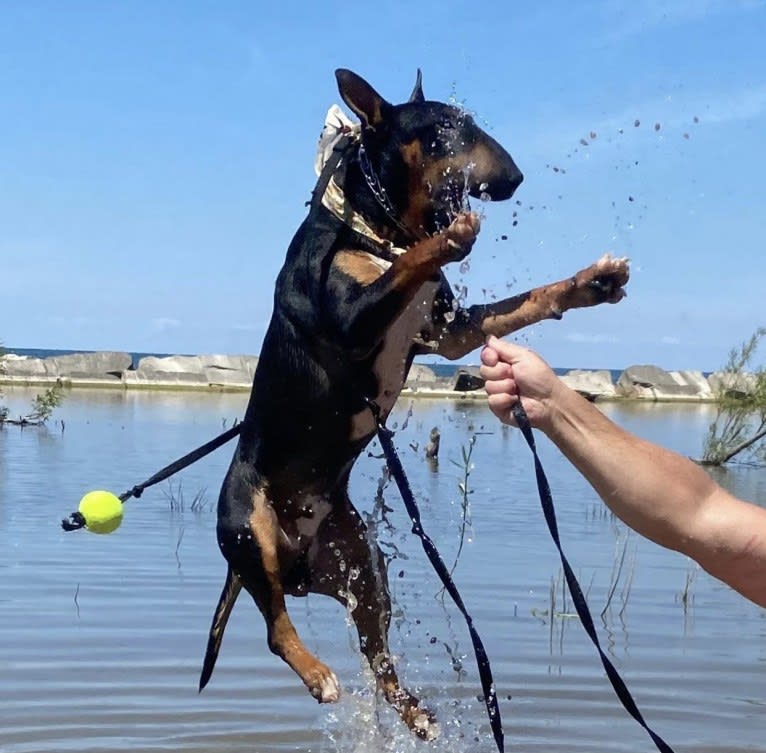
(155, 158)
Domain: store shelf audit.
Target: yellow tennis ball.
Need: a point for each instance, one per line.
(102, 511)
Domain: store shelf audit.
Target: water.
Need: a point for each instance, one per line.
(103, 636)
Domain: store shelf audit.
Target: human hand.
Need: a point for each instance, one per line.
(512, 373)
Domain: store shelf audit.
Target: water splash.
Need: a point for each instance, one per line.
(362, 722)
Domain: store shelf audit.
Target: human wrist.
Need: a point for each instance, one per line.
(556, 408)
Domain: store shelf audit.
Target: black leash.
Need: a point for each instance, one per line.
(76, 520)
(581, 606)
(482, 661)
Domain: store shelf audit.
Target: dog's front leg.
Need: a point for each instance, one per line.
(601, 282)
(362, 301)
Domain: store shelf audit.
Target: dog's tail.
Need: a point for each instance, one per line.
(231, 589)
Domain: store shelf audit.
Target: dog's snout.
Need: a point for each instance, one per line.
(505, 185)
(496, 175)
(501, 184)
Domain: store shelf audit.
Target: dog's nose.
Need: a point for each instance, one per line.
(507, 183)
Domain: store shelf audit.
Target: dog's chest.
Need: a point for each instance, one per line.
(390, 365)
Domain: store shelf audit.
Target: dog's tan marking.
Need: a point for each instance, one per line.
(482, 158)
(282, 636)
(363, 267)
(418, 198)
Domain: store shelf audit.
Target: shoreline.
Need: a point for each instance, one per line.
(234, 373)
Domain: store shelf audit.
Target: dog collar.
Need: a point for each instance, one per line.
(336, 126)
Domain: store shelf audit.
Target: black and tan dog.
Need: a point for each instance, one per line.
(360, 294)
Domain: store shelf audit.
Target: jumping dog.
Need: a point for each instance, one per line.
(361, 293)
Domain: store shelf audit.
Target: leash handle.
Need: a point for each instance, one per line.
(581, 606)
(385, 435)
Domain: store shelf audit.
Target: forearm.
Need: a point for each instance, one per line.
(663, 496)
(655, 491)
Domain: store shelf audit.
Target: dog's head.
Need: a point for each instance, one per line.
(427, 156)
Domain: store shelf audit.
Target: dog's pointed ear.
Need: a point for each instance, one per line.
(417, 92)
(363, 100)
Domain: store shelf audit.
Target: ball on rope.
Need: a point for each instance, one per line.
(102, 511)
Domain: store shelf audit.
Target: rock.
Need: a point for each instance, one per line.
(235, 371)
(173, 379)
(695, 379)
(590, 384)
(467, 379)
(101, 365)
(421, 376)
(731, 384)
(24, 366)
(653, 383)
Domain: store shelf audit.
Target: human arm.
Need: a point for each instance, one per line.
(660, 494)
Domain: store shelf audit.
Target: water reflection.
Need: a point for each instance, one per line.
(103, 636)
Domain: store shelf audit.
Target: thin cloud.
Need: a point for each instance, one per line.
(163, 323)
(676, 114)
(591, 338)
(668, 340)
(639, 16)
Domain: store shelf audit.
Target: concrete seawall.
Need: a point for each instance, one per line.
(115, 370)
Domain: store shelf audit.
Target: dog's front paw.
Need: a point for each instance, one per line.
(461, 235)
(602, 282)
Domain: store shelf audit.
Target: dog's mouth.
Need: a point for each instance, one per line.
(457, 186)
(452, 200)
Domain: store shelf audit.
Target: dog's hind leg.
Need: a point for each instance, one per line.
(231, 589)
(344, 565)
(255, 560)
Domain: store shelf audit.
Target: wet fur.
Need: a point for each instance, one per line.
(348, 320)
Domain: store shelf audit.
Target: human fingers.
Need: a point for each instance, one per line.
(500, 370)
(500, 387)
(501, 406)
(506, 351)
(489, 356)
